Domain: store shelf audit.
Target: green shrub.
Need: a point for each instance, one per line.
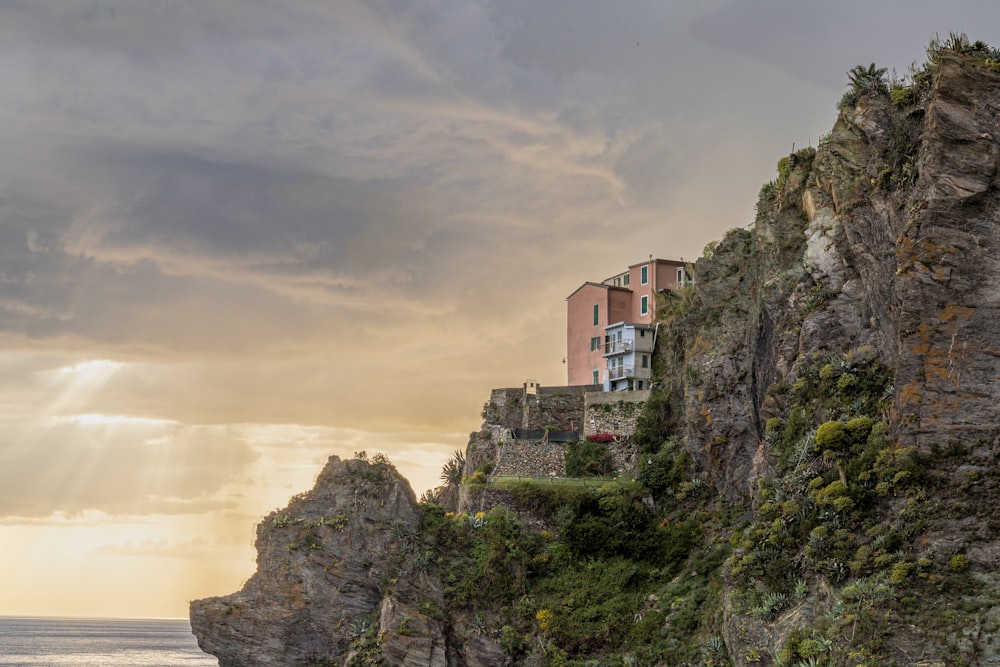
(958, 563)
(588, 459)
(900, 574)
(475, 480)
(662, 472)
(902, 96)
(831, 435)
(860, 428)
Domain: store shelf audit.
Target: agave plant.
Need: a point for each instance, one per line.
(864, 81)
(451, 473)
(867, 79)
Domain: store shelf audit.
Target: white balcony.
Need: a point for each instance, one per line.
(619, 346)
(620, 372)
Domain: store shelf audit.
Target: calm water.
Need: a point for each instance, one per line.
(55, 642)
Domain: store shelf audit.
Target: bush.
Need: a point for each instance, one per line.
(958, 563)
(475, 480)
(588, 459)
(662, 472)
(831, 435)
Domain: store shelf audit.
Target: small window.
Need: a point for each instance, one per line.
(597, 377)
(644, 275)
(638, 385)
(644, 305)
(597, 313)
(682, 276)
(645, 361)
(626, 280)
(642, 333)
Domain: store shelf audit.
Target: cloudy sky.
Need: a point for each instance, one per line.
(238, 236)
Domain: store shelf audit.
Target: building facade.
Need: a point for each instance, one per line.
(628, 354)
(627, 298)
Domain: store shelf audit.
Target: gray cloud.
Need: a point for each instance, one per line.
(309, 213)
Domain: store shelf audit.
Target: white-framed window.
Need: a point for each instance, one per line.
(644, 275)
(644, 305)
(597, 377)
(597, 313)
(682, 276)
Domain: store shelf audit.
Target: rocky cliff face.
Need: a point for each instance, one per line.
(331, 576)
(823, 446)
(843, 256)
(881, 248)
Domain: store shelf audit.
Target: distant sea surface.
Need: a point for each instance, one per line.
(99, 642)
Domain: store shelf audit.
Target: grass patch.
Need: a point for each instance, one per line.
(510, 483)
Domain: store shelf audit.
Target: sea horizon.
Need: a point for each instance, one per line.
(62, 641)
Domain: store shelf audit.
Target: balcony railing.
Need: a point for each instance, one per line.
(618, 346)
(619, 372)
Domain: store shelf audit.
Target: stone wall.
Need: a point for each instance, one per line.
(534, 406)
(505, 407)
(530, 458)
(613, 412)
(533, 458)
(561, 407)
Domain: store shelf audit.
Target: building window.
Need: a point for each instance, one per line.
(597, 377)
(644, 305)
(644, 275)
(597, 313)
(645, 361)
(595, 343)
(638, 385)
(682, 276)
(642, 333)
(626, 280)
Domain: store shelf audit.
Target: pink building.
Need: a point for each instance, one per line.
(627, 297)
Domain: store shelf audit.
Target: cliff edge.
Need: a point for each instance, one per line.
(817, 464)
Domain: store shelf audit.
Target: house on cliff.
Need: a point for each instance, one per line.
(609, 332)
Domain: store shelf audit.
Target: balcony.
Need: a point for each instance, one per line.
(619, 346)
(620, 372)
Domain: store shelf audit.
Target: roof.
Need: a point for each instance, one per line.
(601, 285)
(678, 262)
(634, 325)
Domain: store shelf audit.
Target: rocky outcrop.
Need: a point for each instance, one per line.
(885, 236)
(884, 241)
(330, 573)
(948, 275)
(878, 250)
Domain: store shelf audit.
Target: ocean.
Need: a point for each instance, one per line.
(100, 642)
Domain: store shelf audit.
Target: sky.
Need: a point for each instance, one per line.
(239, 236)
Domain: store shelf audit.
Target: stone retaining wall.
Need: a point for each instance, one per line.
(534, 406)
(613, 412)
(530, 458)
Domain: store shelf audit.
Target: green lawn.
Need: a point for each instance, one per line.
(509, 482)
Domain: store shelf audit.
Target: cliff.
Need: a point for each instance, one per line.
(817, 462)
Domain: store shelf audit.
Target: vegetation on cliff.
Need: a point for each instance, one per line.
(805, 526)
(816, 465)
